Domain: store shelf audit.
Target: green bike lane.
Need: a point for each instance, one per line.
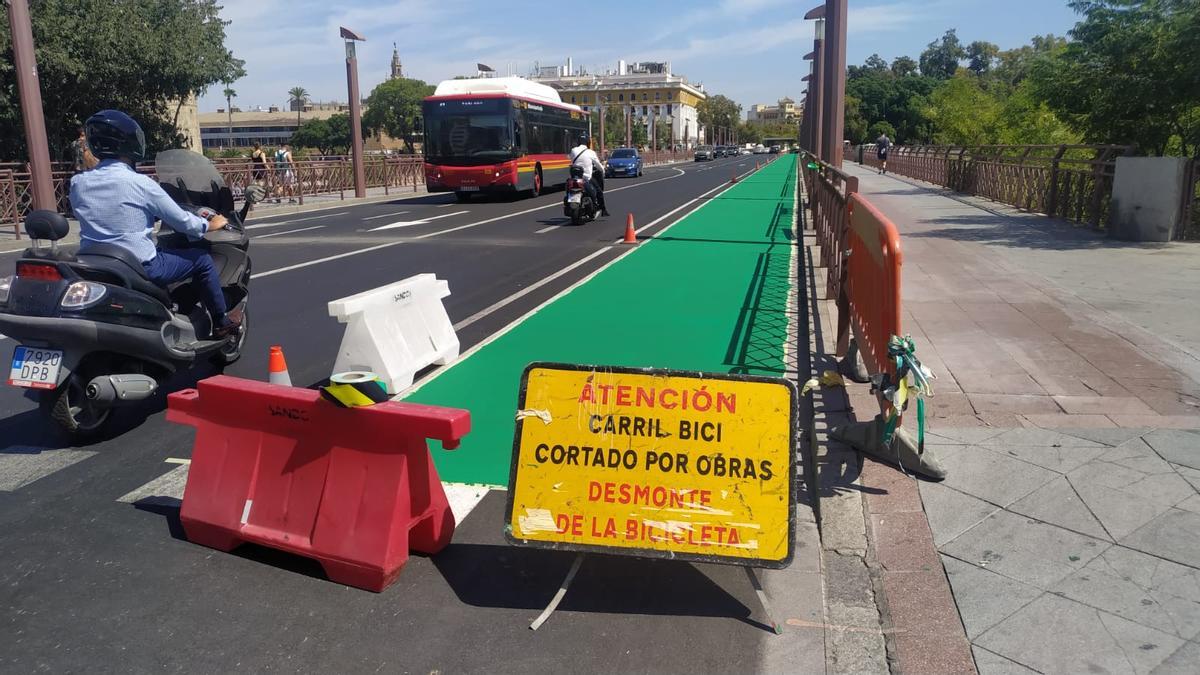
(710, 293)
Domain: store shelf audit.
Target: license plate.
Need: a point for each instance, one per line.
(469, 188)
(35, 368)
(575, 198)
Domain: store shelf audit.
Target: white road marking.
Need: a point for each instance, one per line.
(446, 206)
(167, 490)
(410, 223)
(544, 230)
(526, 291)
(280, 234)
(18, 468)
(296, 220)
(390, 244)
(177, 460)
(386, 215)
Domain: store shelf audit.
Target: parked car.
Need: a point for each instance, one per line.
(760, 149)
(745, 151)
(774, 149)
(704, 153)
(623, 162)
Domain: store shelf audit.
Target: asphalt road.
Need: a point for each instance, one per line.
(90, 583)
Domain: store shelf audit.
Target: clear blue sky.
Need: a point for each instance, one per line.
(748, 50)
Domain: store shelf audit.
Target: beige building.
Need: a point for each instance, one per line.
(644, 89)
(783, 111)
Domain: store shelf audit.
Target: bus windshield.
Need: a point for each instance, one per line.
(469, 131)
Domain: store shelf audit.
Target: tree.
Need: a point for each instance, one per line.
(1125, 76)
(662, 134)
(614, 126)
(329, 136)
(855, 125)
(962, 112)
(145, 58)
(717, 111)
(876, 62)
(880, 128)
(941, 59)
(980, 56)
(903, 66)
(394, 108)
(298, 96)
(230, 94)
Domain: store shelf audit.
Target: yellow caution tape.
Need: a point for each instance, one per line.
(354, 389)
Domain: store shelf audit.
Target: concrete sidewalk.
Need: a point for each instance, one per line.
(1068, 384)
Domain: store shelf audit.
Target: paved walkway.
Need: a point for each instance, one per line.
(1069, 525)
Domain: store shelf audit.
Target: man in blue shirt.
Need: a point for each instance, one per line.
(117, 205)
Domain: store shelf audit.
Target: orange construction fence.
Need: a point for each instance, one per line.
(872, 285)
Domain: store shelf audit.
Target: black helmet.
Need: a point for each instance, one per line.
(585, 139)
(111, 134)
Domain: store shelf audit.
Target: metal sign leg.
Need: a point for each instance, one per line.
(762, 598)
(562, 590)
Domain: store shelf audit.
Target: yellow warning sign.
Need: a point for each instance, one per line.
(654, 463)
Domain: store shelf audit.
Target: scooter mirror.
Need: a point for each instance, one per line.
(255, 194)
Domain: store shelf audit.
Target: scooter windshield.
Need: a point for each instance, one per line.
(190, 178)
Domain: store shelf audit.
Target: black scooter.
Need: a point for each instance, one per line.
(578, 205)
(94, 332)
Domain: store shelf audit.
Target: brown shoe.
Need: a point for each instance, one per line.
(231, 328)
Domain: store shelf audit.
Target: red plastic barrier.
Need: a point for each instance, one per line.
(353, 488)
(873, 283)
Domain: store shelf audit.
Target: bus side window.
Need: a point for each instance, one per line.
(517, 136)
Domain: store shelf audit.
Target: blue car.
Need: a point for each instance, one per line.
(623, 162)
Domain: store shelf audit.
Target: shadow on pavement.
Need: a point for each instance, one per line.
(1018, 232)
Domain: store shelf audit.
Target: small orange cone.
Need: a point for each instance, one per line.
(277, 371)
(630, 233)
(733, 178)
(757, 165)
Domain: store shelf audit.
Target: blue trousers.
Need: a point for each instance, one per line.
(190, 263)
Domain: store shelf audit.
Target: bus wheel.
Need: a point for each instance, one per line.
(463, 197)
(537, 183)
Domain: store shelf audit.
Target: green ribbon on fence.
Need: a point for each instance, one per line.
(902, 351)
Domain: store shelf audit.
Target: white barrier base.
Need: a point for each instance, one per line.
(396, 330)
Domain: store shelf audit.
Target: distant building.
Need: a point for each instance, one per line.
(397, 69)
(784, 111)
(643, 89)
(187, 121)
(272, 127)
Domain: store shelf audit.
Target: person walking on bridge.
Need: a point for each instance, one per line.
(882, 145)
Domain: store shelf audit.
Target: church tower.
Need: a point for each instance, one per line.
(397, 70)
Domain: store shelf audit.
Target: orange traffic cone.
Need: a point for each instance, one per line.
(630, 233)
(757, 165)
(733, 178)
(277, 371)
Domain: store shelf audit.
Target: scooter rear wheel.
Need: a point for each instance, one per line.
(71, 409)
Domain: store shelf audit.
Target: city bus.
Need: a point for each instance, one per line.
(498, 135)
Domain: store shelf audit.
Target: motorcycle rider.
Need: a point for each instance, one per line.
(584, 157)
(117, 205)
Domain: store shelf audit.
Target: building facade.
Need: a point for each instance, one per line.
(645, 90)
(273, 127)
(783, 111)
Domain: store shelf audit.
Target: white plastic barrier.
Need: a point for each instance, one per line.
(396, 330)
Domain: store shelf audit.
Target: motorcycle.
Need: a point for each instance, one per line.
(578, 205)
(94, 333)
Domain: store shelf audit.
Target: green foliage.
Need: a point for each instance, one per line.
(614, 126)
(140, 56)
(1129, 75)
(394, 108)
(903, 66)
(662, 134)
(940, 58)
(981, 56)
(962, 112)
(718, 111)
(329, 136)
(881, 128)
(855, 125)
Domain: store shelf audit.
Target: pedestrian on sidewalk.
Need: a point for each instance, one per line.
(284, 171)
(882, 145)
(258, 166)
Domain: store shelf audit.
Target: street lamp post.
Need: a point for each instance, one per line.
(356, 139)
(30, 94)
(835, 80)
(816, 88)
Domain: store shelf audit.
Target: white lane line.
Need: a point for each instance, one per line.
(526, 291)
(386, 215)
(563, 293)
(446, 206)
(390, 244)
(280, 234)
(177, 460)
(296, 220)
(544, 230)
(410, 223)
(20, 466)
(167, 490)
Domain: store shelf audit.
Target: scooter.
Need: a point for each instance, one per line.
(578, 205)
(94, 333)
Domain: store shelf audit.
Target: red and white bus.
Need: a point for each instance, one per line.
(498, 135)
